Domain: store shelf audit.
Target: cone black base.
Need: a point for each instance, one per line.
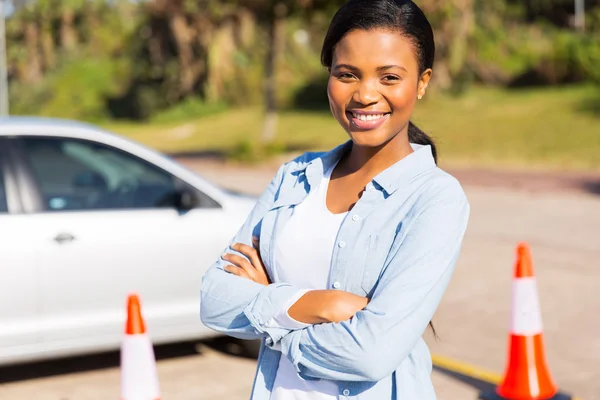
(495, 396)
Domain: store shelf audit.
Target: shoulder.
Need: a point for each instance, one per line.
(438, 187)
(291, 171)
(302, 161)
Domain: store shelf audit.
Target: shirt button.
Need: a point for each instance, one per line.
(342, 244)
(355, 218)
(346, 392)
(336, 285)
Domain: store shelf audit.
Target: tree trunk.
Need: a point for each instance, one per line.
(49, 55)
(34, 65)
(181, 34)
(92, 20)
(275, 30)
(68, 35)
(463, 27)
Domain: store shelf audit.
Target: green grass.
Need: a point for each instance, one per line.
(555, 128)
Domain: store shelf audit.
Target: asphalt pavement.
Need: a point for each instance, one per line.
(562, 226)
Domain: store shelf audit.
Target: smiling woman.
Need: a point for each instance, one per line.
(380, 87)
(344, 259)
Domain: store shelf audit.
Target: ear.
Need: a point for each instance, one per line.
(424, 82)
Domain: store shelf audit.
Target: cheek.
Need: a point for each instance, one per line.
(332, 91)
(403, 98)
(337, 96)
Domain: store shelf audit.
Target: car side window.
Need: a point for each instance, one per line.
(3, 202)
(82, 175)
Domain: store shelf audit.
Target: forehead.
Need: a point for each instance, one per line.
(375, 47)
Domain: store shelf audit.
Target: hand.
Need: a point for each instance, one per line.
(253, 269)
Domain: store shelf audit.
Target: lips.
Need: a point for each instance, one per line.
(367, 120)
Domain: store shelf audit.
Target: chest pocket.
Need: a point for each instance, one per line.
(372, 266)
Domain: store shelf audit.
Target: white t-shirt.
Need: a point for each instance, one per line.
(303, 254)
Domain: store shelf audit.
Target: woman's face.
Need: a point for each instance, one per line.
(373, 85)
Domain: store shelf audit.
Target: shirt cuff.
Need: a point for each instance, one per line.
(283, 320)
(264, 307)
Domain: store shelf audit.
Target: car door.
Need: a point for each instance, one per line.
(108, 224)
(19, 308)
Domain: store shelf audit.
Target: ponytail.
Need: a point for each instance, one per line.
(417, 136)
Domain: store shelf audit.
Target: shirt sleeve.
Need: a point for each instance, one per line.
(283, 320)
(372, 344)
(240, 307)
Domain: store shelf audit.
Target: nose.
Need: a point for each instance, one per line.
(366, 93)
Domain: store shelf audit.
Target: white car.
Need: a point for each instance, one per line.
(87, 217)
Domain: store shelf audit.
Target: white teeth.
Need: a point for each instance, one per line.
(370, 117)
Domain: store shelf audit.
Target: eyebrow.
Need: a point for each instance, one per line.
(382, 68)
(386, 67)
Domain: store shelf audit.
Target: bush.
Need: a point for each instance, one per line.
(253, 151)
(313, 96)
(78, 90)
(573, 58)
(505, 51)
(188, 109)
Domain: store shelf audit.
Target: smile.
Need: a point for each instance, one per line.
(366, 121)
(365, 117)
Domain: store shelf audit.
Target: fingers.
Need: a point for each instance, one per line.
(241, 263)
(249, 262)
(249, 252)
(236, 271)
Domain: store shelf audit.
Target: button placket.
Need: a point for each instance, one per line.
(348, 235)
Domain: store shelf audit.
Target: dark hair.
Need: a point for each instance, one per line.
(403, 16)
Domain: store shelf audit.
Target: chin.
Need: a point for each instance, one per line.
(369, 138)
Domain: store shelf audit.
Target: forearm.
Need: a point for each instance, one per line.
(369, 346)
(324, 306)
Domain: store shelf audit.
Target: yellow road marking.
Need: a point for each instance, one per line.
(466, 369)
(469, 370)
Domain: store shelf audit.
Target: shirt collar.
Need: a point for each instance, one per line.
(420, 160)
(417, 162)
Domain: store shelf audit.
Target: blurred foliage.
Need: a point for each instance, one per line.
(165, 60)
(550, 127)
(77, 89)
(189, 109)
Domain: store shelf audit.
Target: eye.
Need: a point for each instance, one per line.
(391, 78)
(345, 76)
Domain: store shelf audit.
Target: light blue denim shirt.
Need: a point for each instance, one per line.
(398, 246)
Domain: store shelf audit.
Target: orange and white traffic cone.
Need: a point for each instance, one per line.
(139, 378)
(527, 376)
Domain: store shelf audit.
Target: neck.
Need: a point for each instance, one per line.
(370, 161)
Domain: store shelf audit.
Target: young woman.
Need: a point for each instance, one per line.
(344, 259)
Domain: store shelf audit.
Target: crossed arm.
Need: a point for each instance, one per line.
(314, 307)
(241, 308)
